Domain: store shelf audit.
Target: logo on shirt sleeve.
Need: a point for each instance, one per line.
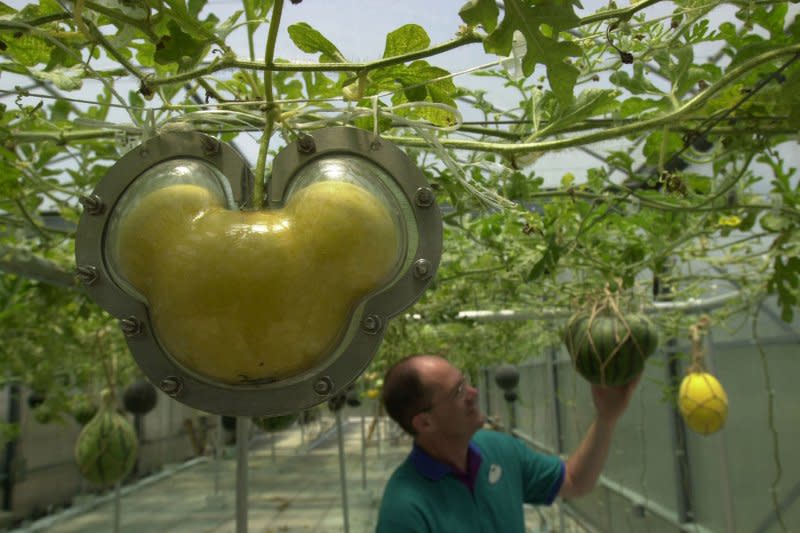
(495, 473)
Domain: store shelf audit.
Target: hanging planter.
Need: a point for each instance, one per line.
(702, 400)
(140, 397)
(609, 347)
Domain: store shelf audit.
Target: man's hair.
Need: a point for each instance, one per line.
(404, 394)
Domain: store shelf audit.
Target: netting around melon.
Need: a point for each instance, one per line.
(702, 400)
(609, 347)
(708, 415)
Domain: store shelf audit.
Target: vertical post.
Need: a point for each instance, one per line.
(12, 417)
(117, 509)
(242, 430)
(722, 443)
(218, 456)
(342, 471)
(552, 378)
(363, 452)
(303, 430)
(663, 292)
(378, 429)
(487, 393)
(678, 434)
(512, 415)
(556, 409)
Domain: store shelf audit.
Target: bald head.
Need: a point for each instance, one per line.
(406, 391)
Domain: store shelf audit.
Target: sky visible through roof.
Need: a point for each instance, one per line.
(359, 30)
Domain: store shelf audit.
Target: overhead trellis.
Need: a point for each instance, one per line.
(691, 193)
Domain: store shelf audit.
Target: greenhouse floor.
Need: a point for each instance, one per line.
(294, 486)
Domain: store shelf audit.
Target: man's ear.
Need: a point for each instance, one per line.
(422, 423)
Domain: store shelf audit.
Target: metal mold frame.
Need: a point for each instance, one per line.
(367, 325)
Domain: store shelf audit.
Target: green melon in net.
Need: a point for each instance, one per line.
(106, 447)
(608, 347)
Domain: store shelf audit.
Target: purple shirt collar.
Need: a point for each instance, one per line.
(436, 470)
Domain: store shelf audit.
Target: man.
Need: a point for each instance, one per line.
(460, 479)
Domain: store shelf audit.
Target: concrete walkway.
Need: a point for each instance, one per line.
(293, 482)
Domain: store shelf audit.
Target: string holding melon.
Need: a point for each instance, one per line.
(609, 347)
(107, 446)
(702, 400)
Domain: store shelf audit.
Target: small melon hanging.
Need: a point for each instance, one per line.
(106, 447)
(702, 400)
(609, 347)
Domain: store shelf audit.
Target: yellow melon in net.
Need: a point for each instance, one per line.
(703, 403)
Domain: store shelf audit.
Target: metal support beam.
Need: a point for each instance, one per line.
(242, 435)
(12, 417)
(678, 435)
(342, 471)
(772, 517)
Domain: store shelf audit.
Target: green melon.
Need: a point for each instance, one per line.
(608, 348)
(274, 423)
(106, 447)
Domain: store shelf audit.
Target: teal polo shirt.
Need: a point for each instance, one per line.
(424, 495)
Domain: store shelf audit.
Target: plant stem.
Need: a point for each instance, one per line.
(229, 62)
(117, 15)
(776, 453)
(269, 108)
(621, 131)
(624, 13)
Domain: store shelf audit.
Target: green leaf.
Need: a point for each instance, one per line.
(311, 41)
(62, 58)
(179, 47)
(257, 9)
(652, 146)
(287, 86)
(750, 51)
(68, 79)
(480, 12)
(10, 182)
(694, 74)
(637, 107)
(698, 183)
(529, 20)
(784, 282)
(774, 222)
(685, 60)
(790, 99)
(589, 103)
(794, 28)
(319, 85)
(562, 78)
(549, 261)
(727, 31)
(636, 84)
(26, 49)
(60, 110)
(412, 78)
(405, 40)
(772, 18)
(223, 30)
(39, 9)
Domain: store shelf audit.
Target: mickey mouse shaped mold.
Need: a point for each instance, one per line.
(250, 312)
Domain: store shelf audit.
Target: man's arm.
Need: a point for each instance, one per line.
(583, 467)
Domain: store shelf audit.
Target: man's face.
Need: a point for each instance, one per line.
(454, 409)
